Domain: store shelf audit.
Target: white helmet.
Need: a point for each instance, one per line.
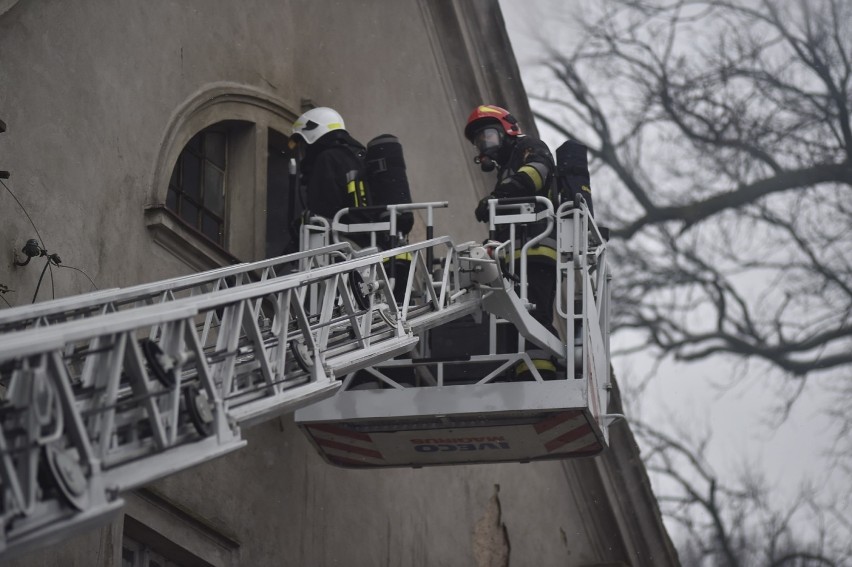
(317, 122)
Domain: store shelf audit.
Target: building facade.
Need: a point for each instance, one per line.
(145, 140)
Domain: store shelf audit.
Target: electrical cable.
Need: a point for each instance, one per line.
(50, 263)
(38, 285)
(34, 228)
(94, 285)
(53, 260)
(5, 301)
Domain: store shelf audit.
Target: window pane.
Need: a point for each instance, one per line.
(214, 148)
(214, 199)
(189, 213)
(196, 189)
(172, 199)
(191, 175)
(211, 227)
(195, 143)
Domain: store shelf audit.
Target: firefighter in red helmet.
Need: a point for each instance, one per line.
(525, 168)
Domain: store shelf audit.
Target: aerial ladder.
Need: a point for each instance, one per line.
(108, 391)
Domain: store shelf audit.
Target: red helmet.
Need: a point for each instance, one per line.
(488, 113)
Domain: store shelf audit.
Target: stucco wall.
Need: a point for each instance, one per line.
(100, 96)
(89, 91)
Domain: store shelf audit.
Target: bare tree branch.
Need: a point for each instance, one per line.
(746, 123)
(735, 525)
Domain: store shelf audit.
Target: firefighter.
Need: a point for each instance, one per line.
(334, 176)
(525, 168)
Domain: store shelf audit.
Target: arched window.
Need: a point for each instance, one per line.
(221, 189)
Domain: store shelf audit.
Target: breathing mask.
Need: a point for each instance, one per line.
(488, 141)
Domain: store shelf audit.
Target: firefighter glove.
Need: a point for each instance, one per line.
(482, 210)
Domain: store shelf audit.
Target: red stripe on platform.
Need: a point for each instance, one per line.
(566, 438)
(552, 422)
(348, 448)
(342, 432)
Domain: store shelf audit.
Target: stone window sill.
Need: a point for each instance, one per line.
(185, 243)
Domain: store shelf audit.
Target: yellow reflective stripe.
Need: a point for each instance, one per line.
(335, 126)
(533, 174)
(538, 363)
(538, 251)
(489, 109)
(407, 257)
(350, 188)
(358, 191)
